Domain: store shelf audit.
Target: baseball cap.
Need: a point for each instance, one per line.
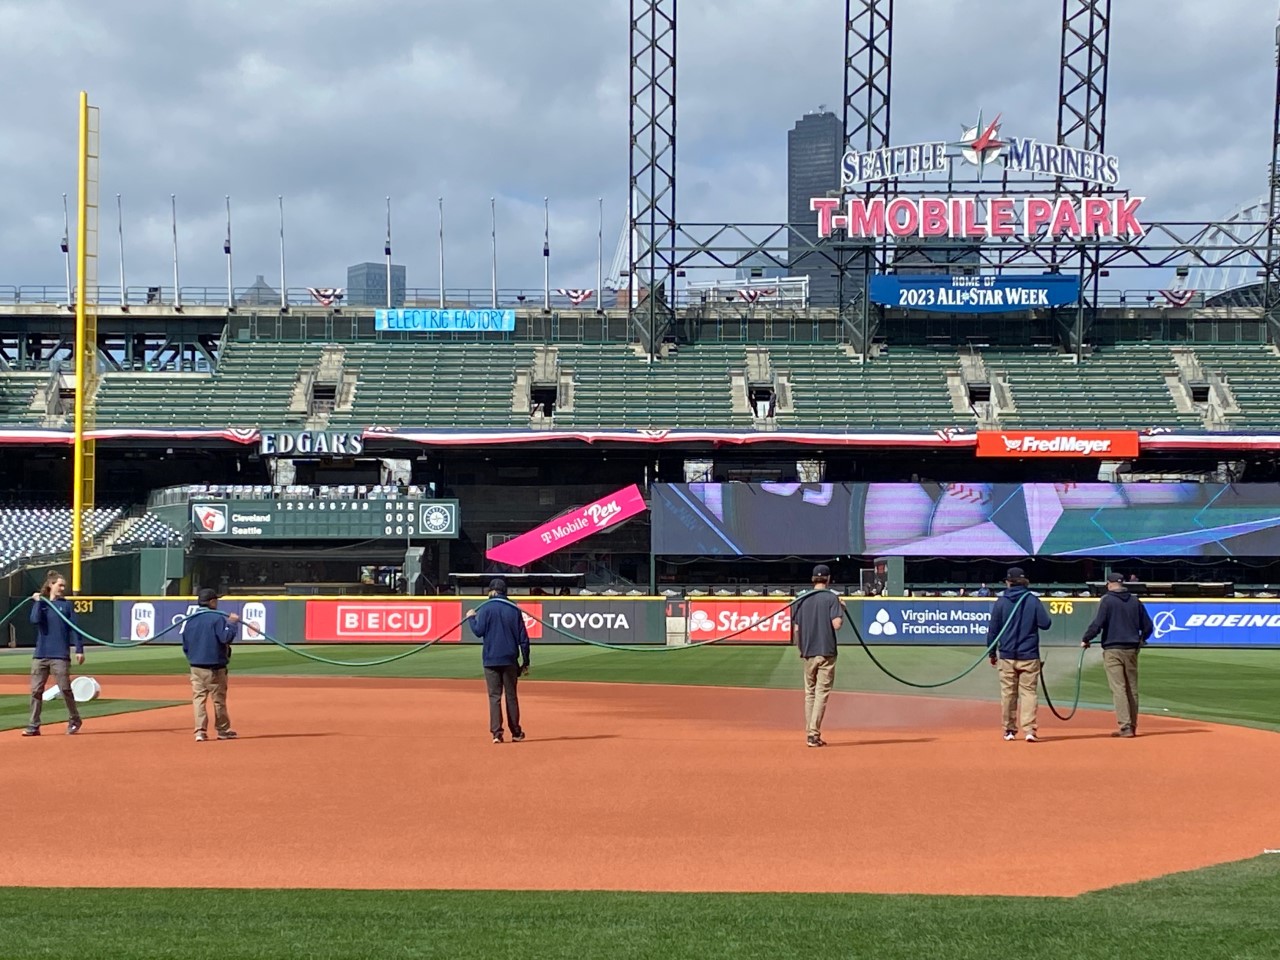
(497, 585)
(1114, 577)
(206, 595)
(822, 571)
(1015, 573)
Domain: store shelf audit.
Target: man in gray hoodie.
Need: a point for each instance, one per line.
(1125, 626)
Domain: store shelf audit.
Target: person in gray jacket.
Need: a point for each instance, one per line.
(1125, 626)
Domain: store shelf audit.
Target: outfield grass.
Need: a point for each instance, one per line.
(1233, 686)
(1224, 913)
(15, 708)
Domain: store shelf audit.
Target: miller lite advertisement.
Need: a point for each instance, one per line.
(144, 620)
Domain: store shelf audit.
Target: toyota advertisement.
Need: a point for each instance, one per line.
(966, 519)
(143, 620)
(420, 621)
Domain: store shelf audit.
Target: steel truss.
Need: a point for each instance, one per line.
(652, 205)
(1271, 267)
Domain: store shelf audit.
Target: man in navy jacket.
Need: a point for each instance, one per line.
(1021, 615)
(54, 641)
(1125, 626)
(500, 624)
(206, 640)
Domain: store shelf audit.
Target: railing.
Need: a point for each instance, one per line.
(176, 496)
(722, 292)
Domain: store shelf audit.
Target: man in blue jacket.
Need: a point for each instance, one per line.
(500, 624)
(1125, 626)
(54, 640)
(206, 640)
(1021, 616)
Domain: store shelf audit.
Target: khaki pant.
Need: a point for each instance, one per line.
(819, 675)
(1019, 697)
(40, 671)
(206, 683)
(1122, 674)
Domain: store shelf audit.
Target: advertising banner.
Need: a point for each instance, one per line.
(569, 528)
(760, 621)
(623, 621)
(983, 294)
(1104, 444)
(966, 519)
(446, 321)
(1214, 623)
(383, 621)
(142, 619)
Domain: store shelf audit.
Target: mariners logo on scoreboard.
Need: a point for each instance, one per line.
(981, 145)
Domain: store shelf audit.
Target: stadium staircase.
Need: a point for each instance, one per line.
(1251, 372)
(1121, 387)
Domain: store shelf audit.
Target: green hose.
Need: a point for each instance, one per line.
(1075, 704)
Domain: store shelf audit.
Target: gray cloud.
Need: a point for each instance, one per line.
(337, 103)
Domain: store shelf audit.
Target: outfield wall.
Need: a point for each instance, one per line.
(914, 621)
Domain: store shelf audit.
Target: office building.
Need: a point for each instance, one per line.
(815, 146)
(367, 285)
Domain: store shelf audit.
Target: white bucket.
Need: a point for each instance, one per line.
(85, 689)
(52, 693)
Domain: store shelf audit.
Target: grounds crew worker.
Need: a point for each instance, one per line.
(1125, 626)
(814, 622)
(54, 640)
(506, 642)
(1019, 653)
(206, 640)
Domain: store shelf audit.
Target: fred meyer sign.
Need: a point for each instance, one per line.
(1102, 444)
(986, 294)
(293, 443)
(446, 321)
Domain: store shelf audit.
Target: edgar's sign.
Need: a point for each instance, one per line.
(334, 443)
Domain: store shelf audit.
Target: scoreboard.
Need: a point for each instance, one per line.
(325, 519)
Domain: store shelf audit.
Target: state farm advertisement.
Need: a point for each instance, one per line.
(380, 621)
(760, 621)
(1101, 444)
(570, 528)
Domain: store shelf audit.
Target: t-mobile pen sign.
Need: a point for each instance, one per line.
(570, 528)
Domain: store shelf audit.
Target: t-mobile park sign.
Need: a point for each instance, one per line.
(980, 216)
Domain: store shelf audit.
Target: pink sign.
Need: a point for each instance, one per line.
(570, 528)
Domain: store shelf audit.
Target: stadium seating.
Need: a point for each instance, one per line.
(1115, 387)
(251, 387)
(905, 389)
(146, 531)
(29, 532)
(17, 390)
(1252, 372)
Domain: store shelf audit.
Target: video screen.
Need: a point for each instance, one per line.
(966, 519)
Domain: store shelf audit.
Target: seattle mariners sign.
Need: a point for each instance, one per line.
(980, 146)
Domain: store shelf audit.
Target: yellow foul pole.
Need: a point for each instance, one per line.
(86, 330)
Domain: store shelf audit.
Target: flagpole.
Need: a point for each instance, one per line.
(226, 249)
(493, 236)
(284, 296)
(600, 260)
(387, 251)
(124, 294)
(440, 203)
(66, 244)
(173, 218)
(546, 255)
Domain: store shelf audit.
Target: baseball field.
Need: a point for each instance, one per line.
(664, 805)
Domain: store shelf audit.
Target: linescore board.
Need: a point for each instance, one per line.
(325, 519)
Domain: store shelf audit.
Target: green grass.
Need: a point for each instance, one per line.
(14, 709)
(1224, 912)
(1233, 686)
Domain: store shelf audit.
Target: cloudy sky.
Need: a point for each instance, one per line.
(336, 104)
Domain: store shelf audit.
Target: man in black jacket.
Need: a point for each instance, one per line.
(1125, 626)
(206, 640)
(1017, 618)
(500, 624)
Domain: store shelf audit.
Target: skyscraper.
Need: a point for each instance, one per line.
(367, 285)
(815, 146)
